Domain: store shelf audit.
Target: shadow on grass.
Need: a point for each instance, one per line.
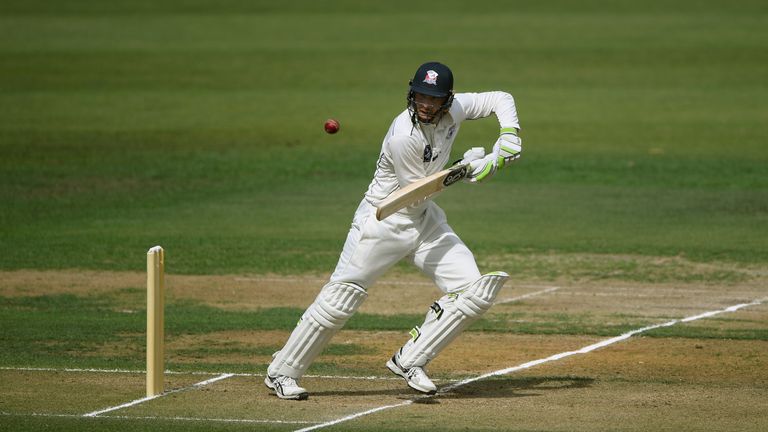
(508, 387)
(366, 392)
(495, 388)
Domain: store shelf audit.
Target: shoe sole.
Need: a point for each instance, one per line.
(399, 372)
(300, 396)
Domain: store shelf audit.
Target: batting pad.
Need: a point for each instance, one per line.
(448, 317)
(335, 304)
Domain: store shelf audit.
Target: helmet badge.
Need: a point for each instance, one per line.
(431, 77)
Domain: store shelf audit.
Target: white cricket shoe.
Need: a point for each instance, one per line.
(286, 387)
(416, 378)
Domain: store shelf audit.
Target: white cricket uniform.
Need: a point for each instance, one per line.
(420, 232)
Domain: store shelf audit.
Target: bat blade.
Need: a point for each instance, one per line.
(420, 190)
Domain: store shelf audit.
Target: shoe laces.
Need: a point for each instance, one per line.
(416, 373)
(287, 381)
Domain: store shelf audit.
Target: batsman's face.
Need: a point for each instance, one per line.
(427, 107)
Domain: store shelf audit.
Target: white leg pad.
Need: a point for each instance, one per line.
(448, 317)
(335, 304)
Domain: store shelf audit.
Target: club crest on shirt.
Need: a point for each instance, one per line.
(431, 77)
(428, 156)
(427, 153)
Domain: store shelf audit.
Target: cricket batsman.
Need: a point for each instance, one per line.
(417, 144)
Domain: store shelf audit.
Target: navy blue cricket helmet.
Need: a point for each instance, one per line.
(433, 79)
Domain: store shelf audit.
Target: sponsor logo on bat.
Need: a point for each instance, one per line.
(455, 175)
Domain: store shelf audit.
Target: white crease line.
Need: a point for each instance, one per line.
(126, 405)
(601, 344)
(9, 414)
(530, 364)
(126, 371)
(198, 419)
(354, 416)
(507, 300)
(149, 398)
(43, 369)
(525, 296)
(115, 371)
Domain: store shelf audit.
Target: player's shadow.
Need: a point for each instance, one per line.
(366, 392)
(511, 387)
(503, 387)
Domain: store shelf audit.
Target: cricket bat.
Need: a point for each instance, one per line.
(420, 190)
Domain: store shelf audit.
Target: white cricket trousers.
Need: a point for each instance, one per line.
(373, 246)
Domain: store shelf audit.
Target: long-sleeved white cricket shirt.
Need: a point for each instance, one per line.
(410, 153)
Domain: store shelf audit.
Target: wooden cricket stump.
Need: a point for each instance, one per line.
(155, 324)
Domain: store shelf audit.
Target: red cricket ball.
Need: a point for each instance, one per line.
(332, 126)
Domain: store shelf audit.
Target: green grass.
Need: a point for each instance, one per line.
(199, 128)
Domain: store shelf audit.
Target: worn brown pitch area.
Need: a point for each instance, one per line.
(640, 384)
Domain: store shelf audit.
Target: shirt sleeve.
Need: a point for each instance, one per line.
(406, 160)
(480, 105)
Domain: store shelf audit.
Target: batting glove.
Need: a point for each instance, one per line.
(508, 147)
(482, 169)
(473, 154)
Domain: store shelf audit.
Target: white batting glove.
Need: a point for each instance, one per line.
(508, 147)
(482, 169)
(473, 154)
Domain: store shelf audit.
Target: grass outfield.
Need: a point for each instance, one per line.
(641, 197)
(200, 128)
